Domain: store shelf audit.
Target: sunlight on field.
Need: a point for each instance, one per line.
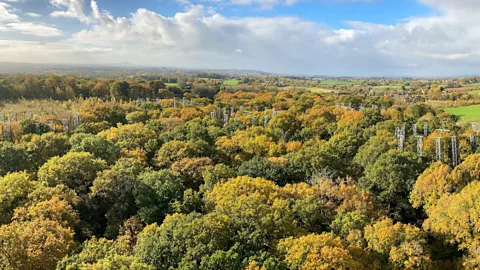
(466, 113)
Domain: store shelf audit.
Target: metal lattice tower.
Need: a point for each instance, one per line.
(77, 120)
(175, 102)
(419, 146)
(401, 140)
(473, 143)
(454, 151)
(438, 150)
(425, 129)
(414, 130)
(184, 102)
(65, 125)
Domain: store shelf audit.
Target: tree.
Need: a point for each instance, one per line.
(130, 137)
(213, 175)
(189, 171)
(431, 185)
(119, 90)
(13, 159)
(30, 126)
(39, 235)
(74, 170)
(101, 89)
(375, 147)
(264, 168)
(98, 146)
(403, 245)
(155, 191)
(323, 251)
(390, 179)
(173, 151)
(41, 148)
(114, 188)
(251, 203)
(348, 222)
(103, 254)
(456, 216)
(467, 172)
(14, 189)
(35, 244)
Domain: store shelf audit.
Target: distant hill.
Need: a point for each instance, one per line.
(96, 69)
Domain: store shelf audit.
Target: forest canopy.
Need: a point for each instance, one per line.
(188, 173)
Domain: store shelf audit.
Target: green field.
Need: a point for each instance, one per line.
(337, 82)
(474, 92)
(472, 84)
(231, 82)
(465, 113)
(171, 84)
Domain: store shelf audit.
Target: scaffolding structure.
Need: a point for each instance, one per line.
(400, 134)
(454, 151)
(473, 143)
(419, 145)
(438, 148)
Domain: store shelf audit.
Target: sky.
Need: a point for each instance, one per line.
(297, 37)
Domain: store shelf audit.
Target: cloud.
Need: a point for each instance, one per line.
(70, 9)
(33, 15)
(28, 28)
(6, 13)
(10, 22)
(52, 52)
(199, 37)
(269, 4)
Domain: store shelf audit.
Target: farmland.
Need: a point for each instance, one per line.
(466, 112)
(231, 82)
(474, 91)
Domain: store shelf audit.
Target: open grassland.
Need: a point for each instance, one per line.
(231, 82)
(474, 91)
(338, 82)
(171, 84)
(466, 113)
(472, 84)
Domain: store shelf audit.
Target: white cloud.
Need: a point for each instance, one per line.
(6, 13)
(10, 22)
(28, 28)
(199, 37)
(70, 9)
(33, 15)
(52, 52)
